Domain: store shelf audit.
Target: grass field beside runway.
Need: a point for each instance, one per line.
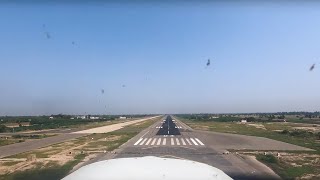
(291, 164)
(71, 153)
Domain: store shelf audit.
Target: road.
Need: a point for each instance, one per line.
(18, 148)
(170, 137)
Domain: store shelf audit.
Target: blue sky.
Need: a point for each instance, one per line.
(260, 58)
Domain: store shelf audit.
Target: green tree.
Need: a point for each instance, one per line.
(2, 128)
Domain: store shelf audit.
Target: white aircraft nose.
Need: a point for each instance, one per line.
(149, 167)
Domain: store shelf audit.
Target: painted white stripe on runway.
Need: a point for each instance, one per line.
(194, 142)
(143, 141)
(138, 141)
(164, 141)
(154, 141)
(188, 142)
(159, 141)
(144, 134)
(148, 141)
(172, 142)
(199, 141)
(183, 143)
(178, 143)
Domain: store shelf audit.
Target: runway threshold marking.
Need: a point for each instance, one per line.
(177, 140)
(138, 141)
(164, 141)
(173, 141)
(183, 143)
(194, 142)
(143, 141)
(188, 141)
(148, 141)
(154, 141)
(199, 141)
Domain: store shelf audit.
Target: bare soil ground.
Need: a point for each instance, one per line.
(297, 165)
(58, 154)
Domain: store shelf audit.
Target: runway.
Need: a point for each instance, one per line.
(172, 138)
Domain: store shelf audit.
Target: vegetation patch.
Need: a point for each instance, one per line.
(285, 169)
(48, 173)
(53, 162)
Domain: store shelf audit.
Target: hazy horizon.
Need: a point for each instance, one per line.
(151, 59)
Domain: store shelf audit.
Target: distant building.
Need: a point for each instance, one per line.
(122, 117)
(93, 117)
(50, 117)
(243, 121)
(72, 118)
(279, 120)
(214, 117)
(13, 125)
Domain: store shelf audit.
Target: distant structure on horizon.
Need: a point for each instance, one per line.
(243, 121)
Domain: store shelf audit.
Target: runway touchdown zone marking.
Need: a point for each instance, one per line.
(172, 141)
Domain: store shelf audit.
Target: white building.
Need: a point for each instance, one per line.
(214, 117)
(122, 117)
(93, 117)
(243, 121)
(81, 117)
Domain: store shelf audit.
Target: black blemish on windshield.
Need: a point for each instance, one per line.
(47, 34)
(312, 67)
(208, 62)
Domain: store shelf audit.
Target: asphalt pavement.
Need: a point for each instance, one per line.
(170, 137)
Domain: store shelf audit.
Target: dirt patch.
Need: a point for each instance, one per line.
(113, 127)
(58, 154)
(259, 126)
(292, 165)
(314, 129)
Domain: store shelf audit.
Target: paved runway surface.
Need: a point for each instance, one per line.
(169, 137)
(172, 138)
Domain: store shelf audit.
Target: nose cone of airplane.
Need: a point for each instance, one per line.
(149, 167)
